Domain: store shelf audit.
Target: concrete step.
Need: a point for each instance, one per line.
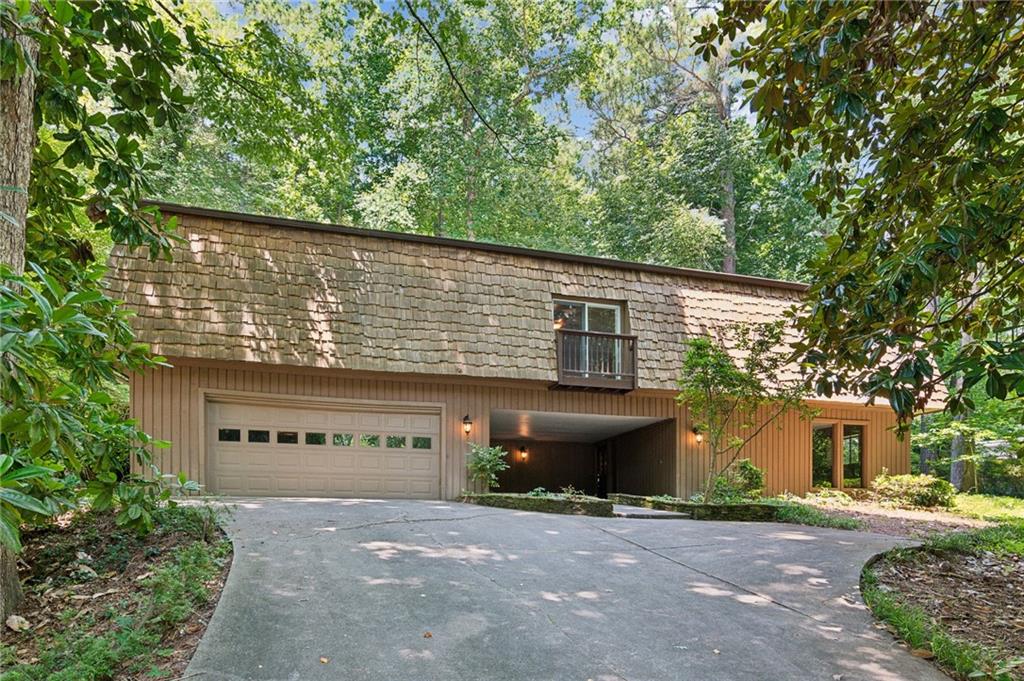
(624, 511)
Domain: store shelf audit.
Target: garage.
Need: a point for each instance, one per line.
(316, 450)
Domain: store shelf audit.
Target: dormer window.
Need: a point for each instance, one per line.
(578, 315)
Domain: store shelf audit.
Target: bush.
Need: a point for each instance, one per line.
(741, 481)
(1002, 476)
(922, 491)
(485, 463)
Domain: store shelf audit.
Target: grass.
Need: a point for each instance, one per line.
(1006, 538)
(803, 514)
(989, 507)
(126, 638)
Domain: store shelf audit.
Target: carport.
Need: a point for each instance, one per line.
(595, 453)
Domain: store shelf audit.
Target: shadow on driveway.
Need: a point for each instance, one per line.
(438, 590)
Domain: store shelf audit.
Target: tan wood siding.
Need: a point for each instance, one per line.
(169, 403)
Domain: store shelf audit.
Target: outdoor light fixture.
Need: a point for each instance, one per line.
(700, 435)
(523, 454)
(467, 425)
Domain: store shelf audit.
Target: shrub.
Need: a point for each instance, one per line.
(485, 463)
(538, 492)
(924, 491)
(742, 481)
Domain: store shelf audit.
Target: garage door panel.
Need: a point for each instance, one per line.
(323, 452)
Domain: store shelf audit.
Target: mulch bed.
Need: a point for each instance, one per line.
(85, 567)
(979, 599)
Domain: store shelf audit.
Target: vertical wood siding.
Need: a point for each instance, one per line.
(168, 404)
(552, 465)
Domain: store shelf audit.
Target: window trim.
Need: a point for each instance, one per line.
(838, 426)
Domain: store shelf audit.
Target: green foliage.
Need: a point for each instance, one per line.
(740, 481)
(538, 492)
(485, 463)
(1005, 538)
(989, 507)
(104, 82)
(922, 174)
(922, 491)
(730, 403)
(805, 514)
(176, 589)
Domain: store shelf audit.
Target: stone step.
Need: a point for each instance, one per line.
(624, 511)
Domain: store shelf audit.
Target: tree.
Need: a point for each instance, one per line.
(729, 402)
(916, 108)
(82, 83)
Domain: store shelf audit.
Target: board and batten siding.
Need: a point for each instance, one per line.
(169, 405)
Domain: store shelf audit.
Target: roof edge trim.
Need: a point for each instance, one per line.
(179, 209)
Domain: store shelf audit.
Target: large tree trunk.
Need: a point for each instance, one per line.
(17, 141)
(728, 181)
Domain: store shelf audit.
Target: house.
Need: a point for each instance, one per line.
(319, 360)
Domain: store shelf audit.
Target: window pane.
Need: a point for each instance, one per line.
(287, 437)
(395, 441)
(853, 456)
(604, 319)
(369, 440)
(342, 439)
(421, 443)
(822, 455)
(259, 436)
(316, 438)
(229, 435)
(568, 315)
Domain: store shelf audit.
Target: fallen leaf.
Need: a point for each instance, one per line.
(143, 576)
(17, 623)
(428, 635)
(716, 651)
(104, 593)
(83, 557)
(921, 652)
(324, 660)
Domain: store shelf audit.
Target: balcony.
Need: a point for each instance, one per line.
(593, 360)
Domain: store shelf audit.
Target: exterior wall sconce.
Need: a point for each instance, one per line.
(523, 454)
(467, 425)
(699, 435)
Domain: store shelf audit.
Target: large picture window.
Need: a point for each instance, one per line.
(837, 455)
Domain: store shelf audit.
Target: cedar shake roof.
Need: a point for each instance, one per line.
(268, 290)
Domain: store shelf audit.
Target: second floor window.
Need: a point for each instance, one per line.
(579, 315)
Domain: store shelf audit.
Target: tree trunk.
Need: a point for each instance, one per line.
(958, 446)
(17, 142)
(728, 181)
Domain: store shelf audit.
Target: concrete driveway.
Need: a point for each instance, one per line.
(433, 590)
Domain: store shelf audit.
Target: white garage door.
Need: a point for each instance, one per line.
(287, 450)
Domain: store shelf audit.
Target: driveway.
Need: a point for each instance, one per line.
(353, 589)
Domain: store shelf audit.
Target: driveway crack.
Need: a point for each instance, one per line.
(680, 563)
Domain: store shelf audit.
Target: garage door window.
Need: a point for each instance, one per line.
(369, 440)
(342, 439)
(229, 435)
(420, 442)
(395, 441)
(259, 436)
(316, 438)
(287, 437)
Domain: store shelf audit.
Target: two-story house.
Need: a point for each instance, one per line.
(319, 360)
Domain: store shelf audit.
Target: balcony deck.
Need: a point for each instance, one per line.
(593, 360)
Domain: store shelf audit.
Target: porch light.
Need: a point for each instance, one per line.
(467, 425)
(523, 454)
(699, 435)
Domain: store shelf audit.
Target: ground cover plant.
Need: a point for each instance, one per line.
(106, 602)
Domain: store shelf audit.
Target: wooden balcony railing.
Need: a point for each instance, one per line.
(595, 360)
